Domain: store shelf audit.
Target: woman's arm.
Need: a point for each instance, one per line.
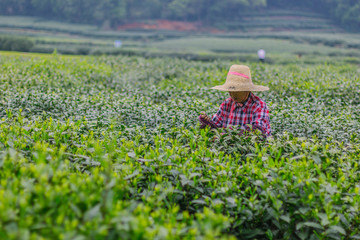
(218, 118)
(216, 121)
(261, 120)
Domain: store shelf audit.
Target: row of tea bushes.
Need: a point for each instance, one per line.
(109, 148)
(61, 180)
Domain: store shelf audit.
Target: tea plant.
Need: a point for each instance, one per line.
(109, 148)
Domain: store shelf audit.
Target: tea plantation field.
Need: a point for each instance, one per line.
(110, 148)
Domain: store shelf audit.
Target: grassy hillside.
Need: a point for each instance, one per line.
(282, 33)
(280, 20)
(246, 45)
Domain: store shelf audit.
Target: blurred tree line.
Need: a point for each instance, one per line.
(114, 12)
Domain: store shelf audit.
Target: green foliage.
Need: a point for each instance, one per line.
(110, 147)
(115, 12)
(108, 13)
(15, 44)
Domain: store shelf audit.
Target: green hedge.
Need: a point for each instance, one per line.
(15, 44)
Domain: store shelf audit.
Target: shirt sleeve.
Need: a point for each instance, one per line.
(261, 120)
(218, 117)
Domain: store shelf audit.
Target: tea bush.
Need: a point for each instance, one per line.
(15, 44)
(110, 147)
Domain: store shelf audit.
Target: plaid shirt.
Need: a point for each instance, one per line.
(254, 112)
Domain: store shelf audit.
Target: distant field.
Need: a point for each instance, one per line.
(280, 20)
(32, 26)
(282, 33)
(38, 23)
(232, 45)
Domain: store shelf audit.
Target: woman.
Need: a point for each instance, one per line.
(243, 108)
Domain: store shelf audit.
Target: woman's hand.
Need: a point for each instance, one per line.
(204, 116)
(206, 121)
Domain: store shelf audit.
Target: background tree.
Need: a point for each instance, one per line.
(113, 12)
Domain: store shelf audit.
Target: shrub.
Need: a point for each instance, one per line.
(15, 44)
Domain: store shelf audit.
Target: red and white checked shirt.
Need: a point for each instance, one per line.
(254, 112)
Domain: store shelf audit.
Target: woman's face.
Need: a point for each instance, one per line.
(239, 96)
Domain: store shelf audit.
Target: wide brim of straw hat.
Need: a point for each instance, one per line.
(241, 88)
(239, 80)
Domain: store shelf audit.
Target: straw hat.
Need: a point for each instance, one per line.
(239, 80)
